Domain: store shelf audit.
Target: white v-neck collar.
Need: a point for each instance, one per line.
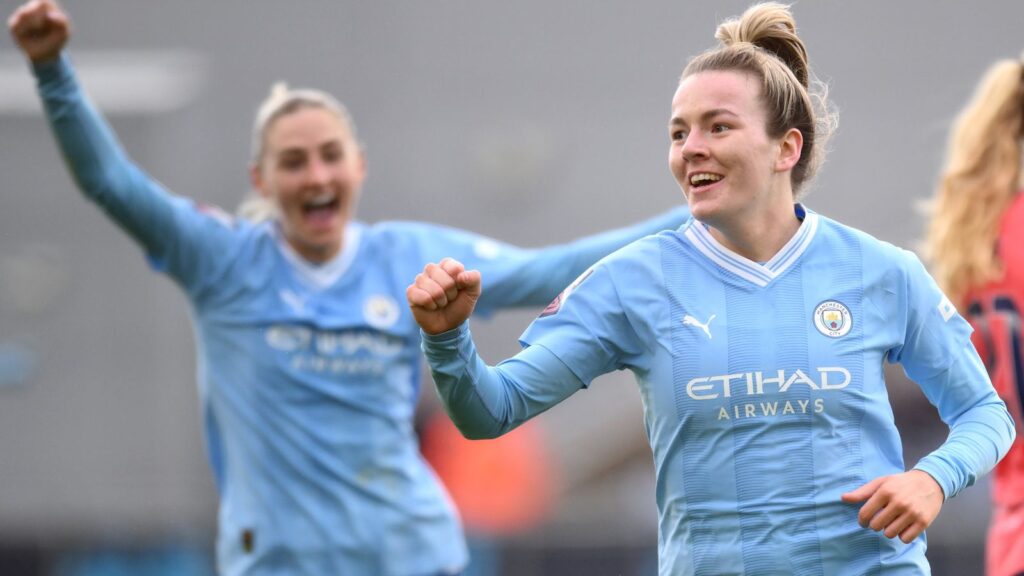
(753, 272)
(320, 276)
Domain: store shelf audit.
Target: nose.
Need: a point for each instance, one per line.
(695, 146)
(319, 173)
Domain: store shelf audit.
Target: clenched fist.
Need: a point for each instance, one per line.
(40, 28)
(443, 296)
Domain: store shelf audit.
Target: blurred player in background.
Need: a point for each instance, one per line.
(976, 245)
(308, 365)
(757, 333)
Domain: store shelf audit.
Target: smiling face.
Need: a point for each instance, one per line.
(312, 170)
(731, 171)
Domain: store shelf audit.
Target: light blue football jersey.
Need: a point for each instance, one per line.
(763, 390)
(308, 375)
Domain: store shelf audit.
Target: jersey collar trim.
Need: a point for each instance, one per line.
(320, 276)
(759, 274)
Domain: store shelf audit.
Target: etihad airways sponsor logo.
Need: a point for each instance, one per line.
(288, 338)
(759, 383)
(335, 352)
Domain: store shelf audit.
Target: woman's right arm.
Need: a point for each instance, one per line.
(488, 401)
(174, 231)
(98, 164)
(96, 160)
(483, 401)
(574, 341)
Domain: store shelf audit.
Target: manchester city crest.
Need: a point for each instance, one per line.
(833, 319)
(380, 311)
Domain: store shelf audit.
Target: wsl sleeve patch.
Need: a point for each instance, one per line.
(559, 300)
(217, 214)
(487, 249)
(947, 309)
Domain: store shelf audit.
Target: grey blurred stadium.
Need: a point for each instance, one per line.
(530, 121)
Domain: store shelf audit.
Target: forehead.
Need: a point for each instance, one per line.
(736, 92)
(307, 127)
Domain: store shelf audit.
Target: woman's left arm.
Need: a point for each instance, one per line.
(937, 354)
(533, 277)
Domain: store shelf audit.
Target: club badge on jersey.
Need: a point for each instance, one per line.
(833, 319)
(381, 311)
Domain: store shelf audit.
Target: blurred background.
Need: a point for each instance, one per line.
(531, 121)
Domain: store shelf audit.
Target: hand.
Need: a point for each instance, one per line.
(901, 504)
(40, 28)
(443, 296)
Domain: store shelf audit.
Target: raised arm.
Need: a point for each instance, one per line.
(483, 401)
(40, 29)
(521, 277)
(96, 160)
(175, 232)
(535, 277)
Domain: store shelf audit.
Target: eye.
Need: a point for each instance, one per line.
(677, 135)
(291, 163)
(720, 128)
(332, 154)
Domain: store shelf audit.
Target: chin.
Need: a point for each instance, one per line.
(701, 211)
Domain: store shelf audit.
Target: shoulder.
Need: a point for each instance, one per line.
(638, 258)
(413, 231)
(636, 267)
(875, 253)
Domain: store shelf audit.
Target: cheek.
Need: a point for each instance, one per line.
(675, 161)
(283, 188)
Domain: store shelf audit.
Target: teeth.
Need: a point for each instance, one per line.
(322, 199)
(698, 179)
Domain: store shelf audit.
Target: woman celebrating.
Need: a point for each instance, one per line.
(976, 245)
(308, 366)
(757, 333)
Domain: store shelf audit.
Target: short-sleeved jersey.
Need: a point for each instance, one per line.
(996, 311)
(308, 374)
(763, 390)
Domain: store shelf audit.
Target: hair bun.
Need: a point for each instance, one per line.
(278, 91)
(769, 26)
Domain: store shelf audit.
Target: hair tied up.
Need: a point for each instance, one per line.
(770, 27)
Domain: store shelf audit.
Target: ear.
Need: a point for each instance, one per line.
(256, 180)
(362, 162)
(790, 147)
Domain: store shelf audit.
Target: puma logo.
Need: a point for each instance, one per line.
(293, 300)
(691, 321)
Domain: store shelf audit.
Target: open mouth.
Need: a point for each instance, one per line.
(321, 207)
(701, 180)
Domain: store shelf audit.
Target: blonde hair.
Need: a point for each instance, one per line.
(282, 101)
(763, 42)
(978, 183)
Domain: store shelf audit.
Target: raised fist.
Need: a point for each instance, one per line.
(40, 28)
(443, 296)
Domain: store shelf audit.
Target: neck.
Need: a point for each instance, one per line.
(316, 253)
(759, 239)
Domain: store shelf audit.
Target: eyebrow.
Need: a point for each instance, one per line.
(300, 150)
(676, 121)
